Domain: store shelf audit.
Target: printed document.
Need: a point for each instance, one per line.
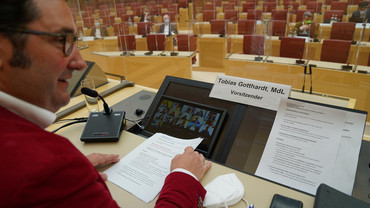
(142, 172)
(303, 146)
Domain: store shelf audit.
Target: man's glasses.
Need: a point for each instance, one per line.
(68, 39)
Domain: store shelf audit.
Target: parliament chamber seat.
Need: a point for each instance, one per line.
(339, 5)
(121, 28)
(218, 27)
(126, 42)
(144, 28)
(279, 14)
(291, 47)
(342, 30)
(246, 27)
(269, 6)
(255, 14)
(231, 15)
(315, 6)
(278, 27)
(335, 50)
(209, 6)
(228, 6)
(248, 6)
(186, 42)
(292, 7)
(209, 15)
(253, 44)
(156, 42)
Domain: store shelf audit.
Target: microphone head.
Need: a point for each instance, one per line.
(89, 92)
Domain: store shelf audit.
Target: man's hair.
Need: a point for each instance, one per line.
(306, 13)
(363, 4)
(17, 14)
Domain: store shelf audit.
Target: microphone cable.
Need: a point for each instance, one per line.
(74, 121)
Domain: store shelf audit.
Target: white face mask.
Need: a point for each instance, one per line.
(97, 24)
(362, 12)
(167, 21)
(223, 191)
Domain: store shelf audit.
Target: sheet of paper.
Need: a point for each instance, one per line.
(303, 145)
(343, 175)
(142, 172)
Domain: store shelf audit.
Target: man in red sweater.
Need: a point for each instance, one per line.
(38, 54)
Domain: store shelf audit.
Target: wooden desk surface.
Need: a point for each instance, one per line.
(257, 191)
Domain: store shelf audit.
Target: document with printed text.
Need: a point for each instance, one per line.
(311, 144)
(142, 172)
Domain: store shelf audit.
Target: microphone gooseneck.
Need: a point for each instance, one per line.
(93, 93)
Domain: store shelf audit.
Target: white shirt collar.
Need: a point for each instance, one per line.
(39, 116)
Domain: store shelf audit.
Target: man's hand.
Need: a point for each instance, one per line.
(97, 159)
(304, 27)
(192, 161)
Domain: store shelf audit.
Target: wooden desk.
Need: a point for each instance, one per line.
(257, 191)
(144, 70)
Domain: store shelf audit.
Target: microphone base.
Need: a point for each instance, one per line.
(162, 54)
(174, 53)
(103, 128)
(299, 61)
(148, 53)
(347, 67)
(258, 58)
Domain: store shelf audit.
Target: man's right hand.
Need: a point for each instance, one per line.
(192, 161)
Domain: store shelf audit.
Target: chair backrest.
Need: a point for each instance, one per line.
(329, 13)
(328, 2)
(231, 15)
(254, 44)
(300, 14)
(186, 42)
(228, 6)
(248, 5)
(291, 6)
(335, 50)
(183, 4)
(209, 15)
(279, 14)
(121, 28)
(127, 17)
(246, 27)
(315, 6)
(342, 30)
(255, 14)
(144, 28)
(108, 20)
(278, 27)
(127, 42)
(218, 26)
(209, 7)
(291, 47)
(269, 6)
(339, 5)
(156, 42)
(304, 2)
(88, 22)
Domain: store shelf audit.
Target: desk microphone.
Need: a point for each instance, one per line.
(347, 67)
(93, 93)
(300, 61)
(258, 58)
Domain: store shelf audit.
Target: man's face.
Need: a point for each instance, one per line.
(307, 17)
(166, 17)
(44, 83)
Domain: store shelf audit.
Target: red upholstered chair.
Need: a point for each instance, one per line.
(103, 13)
(231, 15)
(228, 6)
(127, 17)
(88, 22)
(246, 27)
(328, 2)
(156, 42)
(253, 44)
(300, 14)
(335, 50)
(329, 13)
(137, 11)
(108, 20)
(315, 6)
(292, 47)
(183, 3)
(291, 6)
(209, 15)
(339, 5)
(279, 14)
(342, 30)
(269, 6)
(218, 26)
(186, 42)
(278, 27)
(144, 28)
(354, 2)
(248, 6)
(127, 42)
(209, 7)
(254, 14)
(121, 28)
(304, 2)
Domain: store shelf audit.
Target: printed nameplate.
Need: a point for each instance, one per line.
(250, 92)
